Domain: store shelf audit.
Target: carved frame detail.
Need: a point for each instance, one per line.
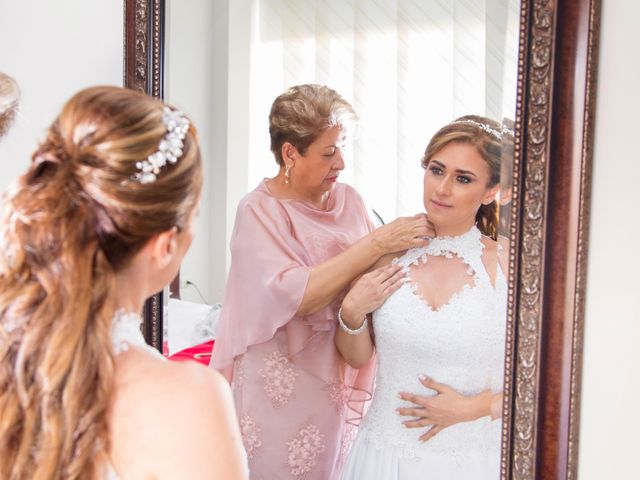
(548, 257)
(554, 125)
(143, 71)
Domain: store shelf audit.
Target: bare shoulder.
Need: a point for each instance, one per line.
(490, 245)
(503, 246)
(494, 255)
(179, 411)
(147, 383)
(137, 370)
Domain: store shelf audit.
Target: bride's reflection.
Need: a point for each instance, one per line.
(300, 239)
(438, 324)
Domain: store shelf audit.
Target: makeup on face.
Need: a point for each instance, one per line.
(455, 185)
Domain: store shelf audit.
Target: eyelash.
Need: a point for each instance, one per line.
(461, 178)
(332, 154)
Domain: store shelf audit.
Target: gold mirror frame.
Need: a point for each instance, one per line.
(548, 254)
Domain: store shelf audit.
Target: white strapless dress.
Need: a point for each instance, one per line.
(460, 344)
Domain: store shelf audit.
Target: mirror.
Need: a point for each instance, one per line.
(373, 54)
(554, 99)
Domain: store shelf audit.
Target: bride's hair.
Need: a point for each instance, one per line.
(493, 142)
(9, 96)
(74, 219)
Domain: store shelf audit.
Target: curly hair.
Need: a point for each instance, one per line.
(70, 223)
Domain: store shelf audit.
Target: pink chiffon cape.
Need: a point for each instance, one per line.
(297, 401)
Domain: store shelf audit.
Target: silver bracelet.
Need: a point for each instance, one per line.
(346, 329)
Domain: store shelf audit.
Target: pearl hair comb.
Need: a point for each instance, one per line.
(169, 149)
(490, 130)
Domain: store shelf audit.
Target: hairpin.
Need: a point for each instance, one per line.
(492, 131)
(169, 149)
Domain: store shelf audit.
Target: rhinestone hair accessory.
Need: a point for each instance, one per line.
(169, 149)
(490, 130)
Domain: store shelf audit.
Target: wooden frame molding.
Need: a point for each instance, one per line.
(143, 71)
(552, 179)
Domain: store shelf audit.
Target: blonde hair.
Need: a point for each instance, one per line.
(70, 223)
(9, 96)
(491, 147)
(303, 112)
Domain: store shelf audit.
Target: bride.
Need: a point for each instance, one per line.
(99, 221)
(438, 325)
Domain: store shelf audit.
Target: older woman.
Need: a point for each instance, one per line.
(300, 238)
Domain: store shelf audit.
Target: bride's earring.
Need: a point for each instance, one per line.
(287, 175)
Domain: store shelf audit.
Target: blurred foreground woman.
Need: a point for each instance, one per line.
(100, 221)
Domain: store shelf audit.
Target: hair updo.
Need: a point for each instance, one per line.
(73, 220)
(303, 112)
(492, 147)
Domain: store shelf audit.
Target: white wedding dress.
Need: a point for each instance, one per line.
(460, 344)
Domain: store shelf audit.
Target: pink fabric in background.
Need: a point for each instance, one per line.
(296, 399)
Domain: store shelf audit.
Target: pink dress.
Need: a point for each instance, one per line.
(297, 401)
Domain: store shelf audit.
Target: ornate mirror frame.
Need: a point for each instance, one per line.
(143, 71)
(548, 256)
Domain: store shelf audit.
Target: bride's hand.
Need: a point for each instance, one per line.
(370, 291)
(444, 409)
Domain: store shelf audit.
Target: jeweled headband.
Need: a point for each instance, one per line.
(490, 130)
(169, 149)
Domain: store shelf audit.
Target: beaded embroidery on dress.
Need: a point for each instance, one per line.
(125, 331)
(460, 343)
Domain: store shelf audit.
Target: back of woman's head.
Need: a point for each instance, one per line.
(75, 218)
(303, 112)
(492, 141)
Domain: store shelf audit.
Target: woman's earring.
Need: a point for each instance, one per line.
(287, 175)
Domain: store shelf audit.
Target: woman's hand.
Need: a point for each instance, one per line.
(369, 292)
(444, 409)
(403, 233)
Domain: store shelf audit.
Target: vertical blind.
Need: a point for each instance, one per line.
(407, 66)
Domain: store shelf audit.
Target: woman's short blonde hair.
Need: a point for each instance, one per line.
(302, 113)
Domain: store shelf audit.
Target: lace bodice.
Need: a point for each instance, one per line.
(125, 332)
(461, 344)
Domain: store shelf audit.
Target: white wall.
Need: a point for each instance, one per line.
(611, 378)
(53, 49)
(189, 68)
(209, 79)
